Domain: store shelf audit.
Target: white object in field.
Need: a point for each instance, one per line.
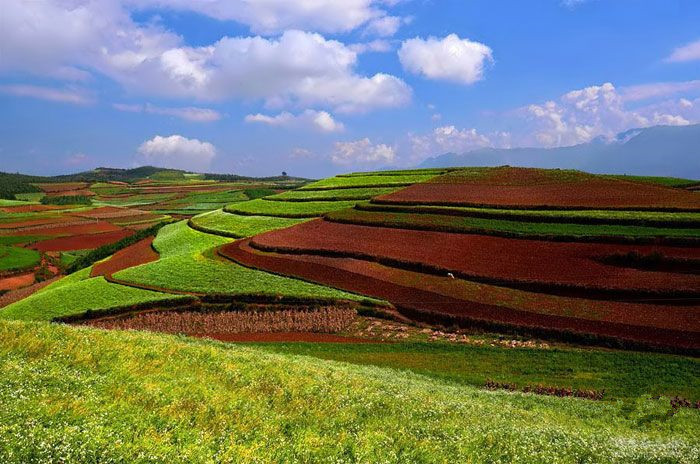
(450, 275)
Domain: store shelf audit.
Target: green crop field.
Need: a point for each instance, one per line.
(571, 216)
(360, 193)
(306, 209)
(78, 293)
(367, 181)
(665, 181)
(238, 226)
(187, 264)
(16, 258)
(625, 376)
(508, 228)
(96, 396)
(5, 202)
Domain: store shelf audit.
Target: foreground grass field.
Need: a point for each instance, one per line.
(81, 395)
(624, 375)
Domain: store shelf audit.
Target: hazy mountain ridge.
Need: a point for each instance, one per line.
(655, 151)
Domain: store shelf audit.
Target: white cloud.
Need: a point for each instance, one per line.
(688, 52)
(581, 115)
(451, 139)
(319, 120)
(72, 38)
(177, 152)
(47, 93)
(658, 89)
(377, 45)
(384, 26)
(302, 153)
(274, 16)
(189, 113)
(362, 152)
(450, 58)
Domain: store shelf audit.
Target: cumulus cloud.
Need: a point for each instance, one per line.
(274, 16)
(189, 113)
(451, 58)
(362, 151)
(319, 120)
(177, 152)
(46, 93)
(581, 115)
(377, 45)
(80, 37)
(688, 52)
(452, 139)
(658, 89)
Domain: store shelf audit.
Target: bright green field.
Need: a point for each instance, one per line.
(367, 181)
(294, 209)
(188, 264)
(30, 197)
(573, 216)
(98, 396)
(400, 172)
(361, 193)
(76, 294)
(237, 226)
(624, 375)
(498, 226)
(20, 239)
(4, 202)
(16, 258)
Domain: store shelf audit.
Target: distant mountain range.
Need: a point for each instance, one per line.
(655, 151)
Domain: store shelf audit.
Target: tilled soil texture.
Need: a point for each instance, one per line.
(72, 193)
(31, 208)
(552, 267)
(139, 253)
(281, 337)
(534, 188)
(76, 228)
(17, 281)
(82, 241)
(424, 300)
(62, 187)
(21, 293)
(319, 320)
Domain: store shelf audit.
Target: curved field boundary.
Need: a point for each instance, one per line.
(434, 307)
(422, 222)
(385, 200)
(342, 187)
(559, 267)
(211, 230)
(292, 210)
(556, 216)
(141, 252)
(82, 241)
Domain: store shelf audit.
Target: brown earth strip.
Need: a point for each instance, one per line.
(139, 253)
(433, 307)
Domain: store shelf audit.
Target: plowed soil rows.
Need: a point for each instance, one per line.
(37, 222)
(425, 298)
(309, 337)
(71, 193)
(568, 268)
(75, 228)
(82, 241)
(108, 212)
(31, 208)
(138, 253)
(15, 282)
(533, 188)
(62, 187)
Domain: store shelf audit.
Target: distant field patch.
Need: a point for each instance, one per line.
(307, 209)
(238, 226)
(360, 193)
(15, 258)
(339, 182)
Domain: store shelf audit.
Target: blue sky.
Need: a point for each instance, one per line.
(316, 87)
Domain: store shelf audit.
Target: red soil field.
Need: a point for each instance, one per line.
(530, 264)
(58, 220)
(533, 188)
(16, 295)
(19, 281)
(421, 299)
(138, 253)
(31, 208)
(71, 193)
(62, 187)
(72, 228)
(310, 337)
(106, 212)
(82, 242)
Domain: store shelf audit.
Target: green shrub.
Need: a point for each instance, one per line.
(66, 200)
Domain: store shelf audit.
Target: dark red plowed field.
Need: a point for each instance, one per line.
(82, 242)
(431, 306)
(530, 264)
(533, 188)
(310, 337)
(138, 253)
